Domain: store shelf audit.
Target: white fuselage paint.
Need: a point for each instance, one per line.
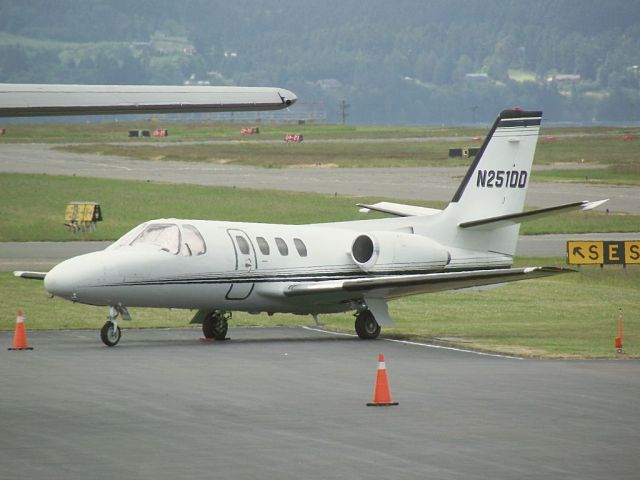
(227, 278)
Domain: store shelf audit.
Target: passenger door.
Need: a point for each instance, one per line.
(246, 263)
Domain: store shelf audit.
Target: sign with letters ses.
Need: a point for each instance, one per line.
(603, 252)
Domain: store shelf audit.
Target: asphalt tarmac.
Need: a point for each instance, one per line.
(427, 183)
(289, 403)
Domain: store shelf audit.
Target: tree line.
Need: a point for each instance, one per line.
(408, 61)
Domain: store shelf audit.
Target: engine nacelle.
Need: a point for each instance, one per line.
(396, 251)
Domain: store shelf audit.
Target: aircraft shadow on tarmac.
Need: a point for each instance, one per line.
(135, 338)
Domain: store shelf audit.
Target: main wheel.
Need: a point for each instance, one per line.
(366, 326)
(215, 326)
(109, 335)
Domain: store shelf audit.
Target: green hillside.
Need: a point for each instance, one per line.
(410, 61)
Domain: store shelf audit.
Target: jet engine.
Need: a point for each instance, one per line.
(383, 252)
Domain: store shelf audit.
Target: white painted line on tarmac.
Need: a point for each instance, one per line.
(442, 347)
(104, 165)
(418, 344)
(329, 332)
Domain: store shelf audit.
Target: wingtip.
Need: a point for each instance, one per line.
(29, 275)
(591, 205)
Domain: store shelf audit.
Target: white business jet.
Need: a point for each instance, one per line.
(219, 267)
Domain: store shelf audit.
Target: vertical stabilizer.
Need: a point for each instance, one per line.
(495, 184)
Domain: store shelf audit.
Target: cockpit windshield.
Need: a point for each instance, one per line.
(165, 236)
(193, 241)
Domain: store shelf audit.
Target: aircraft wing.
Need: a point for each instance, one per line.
(24, 100)
(395, 286)
(30, 275)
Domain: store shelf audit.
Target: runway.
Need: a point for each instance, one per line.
(427, 183)
(289, 403)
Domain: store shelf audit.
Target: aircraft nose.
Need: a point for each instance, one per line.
(68, 278)
(59, 282)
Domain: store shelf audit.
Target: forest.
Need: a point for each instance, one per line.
(401, 62)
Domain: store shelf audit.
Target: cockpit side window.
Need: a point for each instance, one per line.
(165, 236)
(193, 242)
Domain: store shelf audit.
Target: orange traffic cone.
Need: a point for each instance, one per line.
(20, 337)
(381, 394)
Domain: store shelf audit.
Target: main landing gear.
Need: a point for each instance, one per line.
(110, 332)
(367, 327)
(216, 324)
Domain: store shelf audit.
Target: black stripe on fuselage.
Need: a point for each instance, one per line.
(218, 280)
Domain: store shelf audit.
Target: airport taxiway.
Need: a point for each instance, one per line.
(289, 403)
(425, 183)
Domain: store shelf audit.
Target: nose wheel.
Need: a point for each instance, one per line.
(110, 333)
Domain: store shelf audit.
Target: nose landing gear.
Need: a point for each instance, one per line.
(110, 332)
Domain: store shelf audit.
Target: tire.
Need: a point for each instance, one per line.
(366, 326)
(215, 326)
(110, 336)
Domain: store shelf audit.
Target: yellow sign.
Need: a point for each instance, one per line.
(601, 252)
(585, 252)
(632, 252)
(82, 212)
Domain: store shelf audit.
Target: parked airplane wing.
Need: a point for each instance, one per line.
(395, 286)
(24, 100)
(30, 275)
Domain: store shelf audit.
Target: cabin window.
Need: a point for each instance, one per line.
(164, 236)
(300, 246)
(282, 246)
(193, 241)
(243, 245)
(263, 245)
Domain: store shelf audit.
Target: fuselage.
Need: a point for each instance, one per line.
(205, 265)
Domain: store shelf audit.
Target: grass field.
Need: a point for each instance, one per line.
(32, 207)
(179, 132)
(591, 150)
(342, 146)
(205, 130)
(622, 174)
(567, 316)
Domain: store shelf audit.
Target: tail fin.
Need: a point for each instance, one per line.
(496, 182)
(494, 186)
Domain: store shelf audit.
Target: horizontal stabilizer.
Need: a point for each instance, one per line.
(395, 286)
(398, 209)
(30, 275)
(24, 100)
(507, 220)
